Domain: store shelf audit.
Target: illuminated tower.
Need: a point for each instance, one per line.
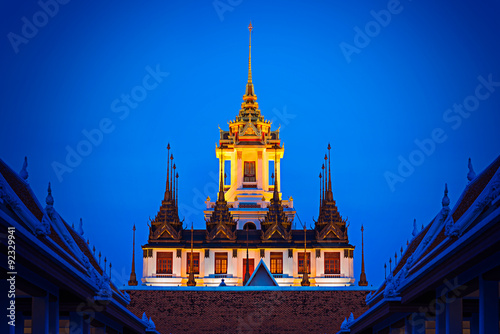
(250, 146)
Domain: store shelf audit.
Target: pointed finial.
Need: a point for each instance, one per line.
(445, 201)
(422, 226)
(99, 257)
(110, 271)
(415, 230)
(49, 200)
(390, 264)
(88, 242)
(105, 264)
(93, 249)
(395, 258)
(471, 175)
(401, 251)
(80, 227)
(168, 146)
(385, 270)
(24, 171)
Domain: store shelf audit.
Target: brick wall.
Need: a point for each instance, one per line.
(247, 311)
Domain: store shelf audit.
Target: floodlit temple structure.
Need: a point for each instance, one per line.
(248, 220)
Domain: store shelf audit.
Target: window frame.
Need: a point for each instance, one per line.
(168, 257)
(277, 267)
(222, 268)
(196, 267)
(330, 265)
(300, 268)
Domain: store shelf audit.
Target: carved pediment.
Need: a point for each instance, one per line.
(221, 231)
(250, 130)
(329, 231)
(277, 229)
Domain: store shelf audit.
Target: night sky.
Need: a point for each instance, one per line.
(405, 92)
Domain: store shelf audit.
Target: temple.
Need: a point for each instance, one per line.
(249, 221)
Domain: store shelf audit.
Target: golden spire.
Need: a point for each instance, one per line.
(250, 54)
(133, 278)
(250, 105)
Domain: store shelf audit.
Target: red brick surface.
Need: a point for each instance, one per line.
(247, 311)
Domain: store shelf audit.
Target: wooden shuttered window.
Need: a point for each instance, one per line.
(332, 263)
(301, 262)
(164, 262)
(221, 263)
(276, 263)
(196, 263)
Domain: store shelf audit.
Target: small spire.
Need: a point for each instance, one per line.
(276, 195)
(133, 278)
(445, 201)
(174, 185)
(362, 276)
(93, 249)
(320, 191)
(395, 258)
(171, 174)
(80, 227)
(99, 257)
(324, 181)
(221, 180)
(390, 265)
(401, 251)
(24, 171)
(415, 230)
(176, 189)
(49, 200)
(110, 271)
(385, 270)
(407, 242)
(167, 188)
(105, 264)
(471, 175)
(88, 242)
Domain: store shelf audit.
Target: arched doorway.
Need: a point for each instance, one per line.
(250, 226)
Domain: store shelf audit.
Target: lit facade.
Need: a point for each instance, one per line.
(248, 215)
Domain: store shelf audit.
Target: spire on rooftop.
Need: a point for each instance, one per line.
(24, 171)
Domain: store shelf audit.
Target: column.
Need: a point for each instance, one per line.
(440, 310)
(474, 323)
(415, 324)
(40, 315)
(75, 323)
(19, 329)
(239, 168)
(53, 314)
(453, 314)
(278, 177)
(488, 306)
(260, 184)
(234, 174)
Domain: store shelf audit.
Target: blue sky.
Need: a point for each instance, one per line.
(373, 78)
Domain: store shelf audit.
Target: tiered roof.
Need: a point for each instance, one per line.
(221, 224)
(330, 226)
(276, 224)
(166, 225)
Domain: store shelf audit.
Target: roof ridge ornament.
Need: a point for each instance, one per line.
(471, 175)
(24, 171)
(415, 229)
